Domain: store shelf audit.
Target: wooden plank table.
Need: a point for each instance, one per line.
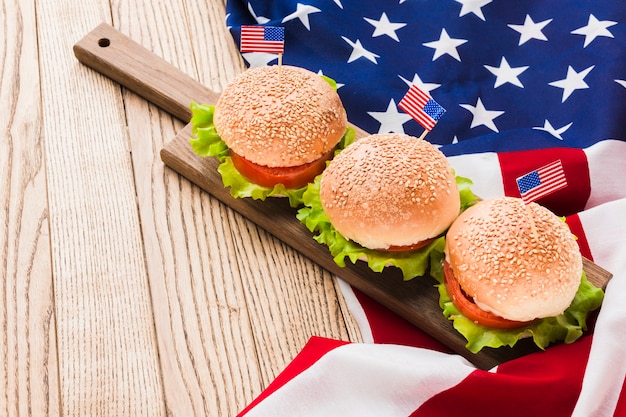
(127, 290)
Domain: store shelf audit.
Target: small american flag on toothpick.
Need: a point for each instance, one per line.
(422, 107)
(268, 39)
(542, 181)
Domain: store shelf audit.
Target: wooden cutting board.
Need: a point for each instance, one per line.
(115, 55)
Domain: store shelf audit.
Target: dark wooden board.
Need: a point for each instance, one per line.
(116, 56)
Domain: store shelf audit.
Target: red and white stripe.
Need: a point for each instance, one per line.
(413, 104)
(552, 178)
(404, 372)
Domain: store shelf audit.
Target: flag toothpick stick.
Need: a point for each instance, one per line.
(540, 183)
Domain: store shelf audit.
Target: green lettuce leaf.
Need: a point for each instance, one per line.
(567, 327)
(330, 81)
(205, 142)
(468, 198)
(412, 264)
(240, 187)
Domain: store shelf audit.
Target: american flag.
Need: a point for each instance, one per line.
(385, 378)
(524, 83)
(268, 39)
(563, 60)
(421, 107)
(542, 181)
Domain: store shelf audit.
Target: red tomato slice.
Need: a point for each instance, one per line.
(470, 310)
(290, 177)
(408, 248)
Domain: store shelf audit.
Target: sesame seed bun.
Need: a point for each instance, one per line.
(390, 190)
(518, 261)
(280, 120)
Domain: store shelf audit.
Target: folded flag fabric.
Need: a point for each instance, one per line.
(331, 376)
(527, 75)
(524, 84)
(594, 174)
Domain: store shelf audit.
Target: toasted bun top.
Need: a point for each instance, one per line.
(280, 117)
(389, 190)
(520, 262)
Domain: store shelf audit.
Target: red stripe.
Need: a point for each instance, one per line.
(417, 96)
(252, 29)
(544, 190)
(541, 384)
(313, 351)
(261, 47)
(568, 200)
(419, 115)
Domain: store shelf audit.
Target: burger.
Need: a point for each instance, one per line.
(513, 270)
(273, 129)
(386, 199)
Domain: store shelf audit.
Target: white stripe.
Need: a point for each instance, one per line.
(366, 380)
(260, 48)
(356, 309)
(607, 169)
(484, 171)
(605, 228)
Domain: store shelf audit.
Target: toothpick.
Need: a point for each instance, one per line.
(533, 227)
(422, 136)
(280, 64)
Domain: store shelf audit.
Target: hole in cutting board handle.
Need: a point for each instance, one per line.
(104, 42)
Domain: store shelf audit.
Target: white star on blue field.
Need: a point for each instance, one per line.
(521, 74)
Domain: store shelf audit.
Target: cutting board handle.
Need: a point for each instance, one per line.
(118, 57)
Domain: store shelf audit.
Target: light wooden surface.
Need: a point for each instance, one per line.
(126, 290)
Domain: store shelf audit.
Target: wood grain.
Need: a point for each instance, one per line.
(120, 58)
(125, 289)
(229, 311)
(28, 356)
(107, 354)
(203, 332)
(597, 275)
